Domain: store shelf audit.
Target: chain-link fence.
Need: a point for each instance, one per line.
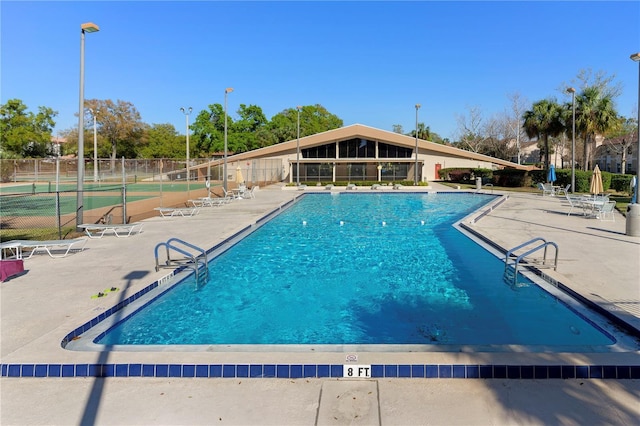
(39, 198)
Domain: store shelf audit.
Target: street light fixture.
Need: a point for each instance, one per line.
(224, 170)
(95, 146)
(415, 182)
(87, 27)
(298, 150)
(186, 113)
(573, 139)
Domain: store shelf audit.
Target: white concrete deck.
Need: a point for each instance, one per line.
(596, 260)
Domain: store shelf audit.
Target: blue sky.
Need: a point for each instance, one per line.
(366, 62)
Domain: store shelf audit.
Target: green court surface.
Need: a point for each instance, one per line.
(45, 205)
(29, 188)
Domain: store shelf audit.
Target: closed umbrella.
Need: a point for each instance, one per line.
(551, 176)
(239, 177)
(596, 181)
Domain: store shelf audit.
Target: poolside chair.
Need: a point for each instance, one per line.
(375, 186)
(329, 187)
(574, 201)
(546, 188)
(607, 212)
(563, 191)
(351, 186)
(250, 193)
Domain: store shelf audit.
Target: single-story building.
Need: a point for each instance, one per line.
(352, 153)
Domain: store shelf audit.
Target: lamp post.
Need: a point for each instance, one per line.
(573, 139)
(87, 27)
(518, 134)
(298, 150)
(186, 112)
(633, 209)
(415, 182)
(636, 58)
(224, 169)
(95, 146)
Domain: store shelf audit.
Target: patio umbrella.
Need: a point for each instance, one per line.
(239, 177)
(596, 181)
(551, 176)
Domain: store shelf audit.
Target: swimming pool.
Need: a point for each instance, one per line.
(374, 269)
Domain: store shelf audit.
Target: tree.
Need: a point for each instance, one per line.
(23, 133)
(424, 132)
(251, 120)
(470, 130)
(163, 141)
(595, 114)
(313, 119)
(118, 123)
(397, 128)
(621, 138)
(544, 121)
(208, 130)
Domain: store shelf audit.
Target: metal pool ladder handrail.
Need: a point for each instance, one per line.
(192, 261)
(512, 274)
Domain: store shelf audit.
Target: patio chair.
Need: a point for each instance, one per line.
(546, 188)
(563, 191)
(250, 193)
(607, 212)
(574, 201)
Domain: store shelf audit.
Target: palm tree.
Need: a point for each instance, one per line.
(544, 120)
(595, 114)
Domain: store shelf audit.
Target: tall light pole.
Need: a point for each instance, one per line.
(573, 139)
(518, 134)
(415, 182)
(186, 113)
(224, 169)
(636, 58)
(87, 27)
(95, 146)
(298, 150)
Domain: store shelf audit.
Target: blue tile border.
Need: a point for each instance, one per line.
(299, 371)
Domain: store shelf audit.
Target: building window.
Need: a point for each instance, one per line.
(357, 148)
(392, 151)
(322, 151)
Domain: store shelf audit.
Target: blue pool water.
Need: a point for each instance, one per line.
(359, 269)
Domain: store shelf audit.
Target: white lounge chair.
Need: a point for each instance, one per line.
(184, 212)
(329, 187)
(397, 186)
(98, 230)
(351, 186)
(375, 186)
(54, 248)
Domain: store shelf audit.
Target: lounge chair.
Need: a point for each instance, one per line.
(351, 186)
(98, 230)
(184, 212)
(54, 248)
(375, 186)
(329, 187)
(397, 186)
